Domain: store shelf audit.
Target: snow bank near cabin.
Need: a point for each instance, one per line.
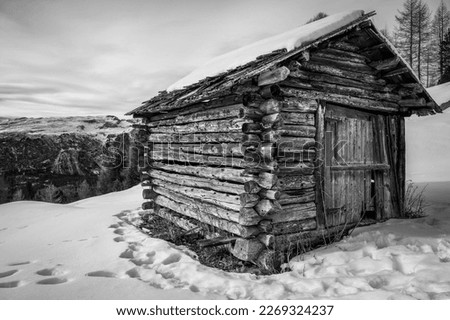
(441, 94)
(91, 250)
(289, 40)
(72, 251)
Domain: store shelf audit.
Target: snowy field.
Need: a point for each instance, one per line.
(91, 250)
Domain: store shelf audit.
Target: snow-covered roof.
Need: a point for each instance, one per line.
(441, 94)
(289, 40)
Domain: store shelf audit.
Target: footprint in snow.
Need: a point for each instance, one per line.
(133, 273)
(119, 239)
(3, 229)
(14, 264)
(51, 272)
(11, 284)
(127, 254)
(120, 231)
(51, 281)
(102, 274)
(173, 258)
(8, 273)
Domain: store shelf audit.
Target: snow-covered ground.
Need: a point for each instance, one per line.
(91, 250)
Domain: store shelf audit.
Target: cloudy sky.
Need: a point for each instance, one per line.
(86, 57)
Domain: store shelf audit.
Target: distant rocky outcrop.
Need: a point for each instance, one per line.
(64, 159)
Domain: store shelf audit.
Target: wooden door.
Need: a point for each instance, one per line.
(352, 162)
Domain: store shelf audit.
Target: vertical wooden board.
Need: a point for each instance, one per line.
(401, 164)
(319, 164)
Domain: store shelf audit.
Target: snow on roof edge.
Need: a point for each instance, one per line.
(288, 40)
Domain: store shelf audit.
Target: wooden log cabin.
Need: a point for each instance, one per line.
(290, 148)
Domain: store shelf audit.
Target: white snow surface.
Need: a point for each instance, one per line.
(440, 93)
(289, 40)
(91, 249)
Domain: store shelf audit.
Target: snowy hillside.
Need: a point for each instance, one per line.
(100, 126)
(90, 249)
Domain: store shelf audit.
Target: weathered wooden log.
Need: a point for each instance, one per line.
(357, 103)
(173, 111)
(249, 200)
(196, 137)
(270, 91)
(339, 89)
(177, 219)
(180, 156)
(301, 196)
(266, 207)
(217, 149)
(288, 130)
(270, 261)
(219, 241)
(204, 217)
(273, 76)
(339, 72)
(232, 111)
(344, 46)
(387, 64)
(251, 187)
(224, 200)
(247, 249)
(415, 87)
(326, 78)
(245, 217)
(292, 182)
(267, 239)
(341, 55)
(226, 125)
(198, 182)
(272, 106)
(224, 174)
(268, 121)
(343, 64)
(294, 226)
(148, 205)
(299, 105)
(250, 113)
(251, 128)
(267, 180)
(415, 103)
(396, 72)
(270, 194)
(295, 212)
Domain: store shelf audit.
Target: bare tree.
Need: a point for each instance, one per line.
(406, 29)
(423, 33)
(441, 23)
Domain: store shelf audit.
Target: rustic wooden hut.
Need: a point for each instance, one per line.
(300, 138)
